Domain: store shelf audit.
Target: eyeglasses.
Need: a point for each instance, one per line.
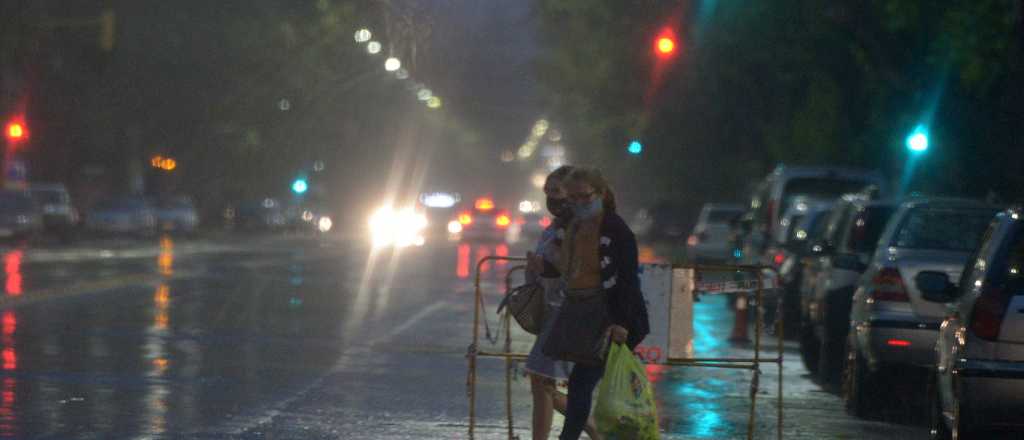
(581, 197)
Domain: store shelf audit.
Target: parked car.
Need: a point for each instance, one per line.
(978, 372)
(851, 233)
(709, 241)
(177, 214)
(784, 185)
(122, 215)
(19, 216)
(892, 325)
(58, 215)
(799, 252)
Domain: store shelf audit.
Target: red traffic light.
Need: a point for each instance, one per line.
(15, 131)
(665, 44)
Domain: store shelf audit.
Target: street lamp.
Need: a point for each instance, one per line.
(373, 47)
(392, 64)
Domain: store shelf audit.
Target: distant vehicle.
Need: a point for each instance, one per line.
(482, 221)
(59, 216)
(709, 242)
(398, 227)
(19, 216)
(528, 227)
(781, 187)
(177, 214)
(978, 368)
(122, 215)
(265, 214)
(851, 233)
(891, 324)
(439, 207)
(668, 222)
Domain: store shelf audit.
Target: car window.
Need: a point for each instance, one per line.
(942, 229)
(1004, 271)
(819, 188)
(721, 216)
(865, 228)
(834, 222)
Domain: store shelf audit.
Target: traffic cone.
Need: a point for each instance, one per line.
(739, 326)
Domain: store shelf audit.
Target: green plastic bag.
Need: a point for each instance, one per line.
(625, 401)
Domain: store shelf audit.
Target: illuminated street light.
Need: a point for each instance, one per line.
(392, 64)
(363, 35)
(373, 48)
(434, 102)
(917, 141)
(424, 94)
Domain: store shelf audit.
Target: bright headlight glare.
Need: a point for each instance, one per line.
(325, 224)
(400, 228)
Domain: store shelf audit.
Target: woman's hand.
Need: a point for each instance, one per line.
(618, 333)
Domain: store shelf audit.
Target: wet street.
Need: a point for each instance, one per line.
(302, 338)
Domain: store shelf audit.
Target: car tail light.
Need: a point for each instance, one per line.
(887, 285)
(987, 317)
(545, 221)
(779, 258)
(693, 240)
(465, 219)
(484, 204)
(502, 221)
(898, 343)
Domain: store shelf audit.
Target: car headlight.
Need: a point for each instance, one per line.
(401, 228)
(325, 224)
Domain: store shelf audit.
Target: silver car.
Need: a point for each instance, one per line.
(891, 323)
(709, 242)
(978, 379)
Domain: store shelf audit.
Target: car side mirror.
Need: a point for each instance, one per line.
(935, 287)
(848, 262)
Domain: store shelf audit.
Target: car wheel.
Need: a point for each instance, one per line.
(939, 430)
(858, 384)
(809, 348)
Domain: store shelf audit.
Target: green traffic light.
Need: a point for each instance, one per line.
(635, 147)
(300, 186)
(917, 141)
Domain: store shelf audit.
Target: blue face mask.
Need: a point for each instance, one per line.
(587, 210)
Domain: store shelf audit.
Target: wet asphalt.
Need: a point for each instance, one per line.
(285, 337)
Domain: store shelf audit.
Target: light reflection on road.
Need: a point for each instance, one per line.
(12, 271)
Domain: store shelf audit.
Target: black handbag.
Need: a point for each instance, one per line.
(526, 305)
(580, 332)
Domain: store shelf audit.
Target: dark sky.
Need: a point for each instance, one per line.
(482, 60)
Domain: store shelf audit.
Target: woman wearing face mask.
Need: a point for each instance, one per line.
(545, 372)
(599, 256)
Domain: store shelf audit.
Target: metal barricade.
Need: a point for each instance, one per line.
(753, 364)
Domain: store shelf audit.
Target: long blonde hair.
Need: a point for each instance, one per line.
(593, 177)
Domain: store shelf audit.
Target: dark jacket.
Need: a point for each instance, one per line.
(620, 278)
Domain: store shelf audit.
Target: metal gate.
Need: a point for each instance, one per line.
(752, 364)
